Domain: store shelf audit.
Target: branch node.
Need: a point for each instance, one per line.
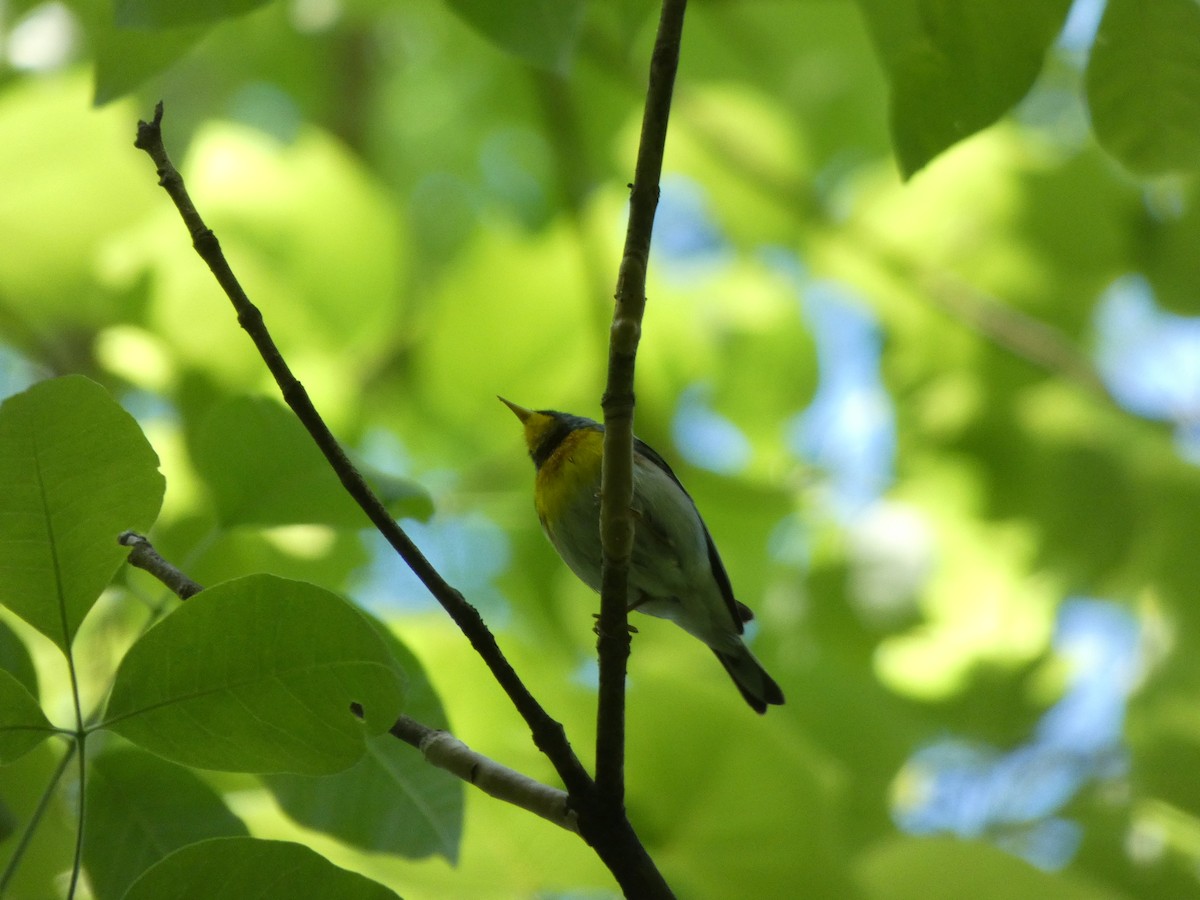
(148, 133)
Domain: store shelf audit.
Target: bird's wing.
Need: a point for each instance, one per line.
(739, 612)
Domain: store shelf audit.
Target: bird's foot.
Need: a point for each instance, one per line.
(596, 628)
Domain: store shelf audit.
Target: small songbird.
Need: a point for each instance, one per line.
(675, 572)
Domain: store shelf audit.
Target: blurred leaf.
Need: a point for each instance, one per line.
(15, 659)
(545, 360)
(126, 58)
(1143, 84)
(156, 14)
(75, 471)
(313, 553)
(64, 151)
(1170, 261)
(541, 32)
(264, 469)
(23, 725)
(680, 693)
(391, 801)
(235, 868)
(141, 808)
(8, 822)
(257, 675)
(956, 66)
(949, 869)
(316, 241)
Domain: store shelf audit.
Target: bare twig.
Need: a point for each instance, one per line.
(143, 556)
(444, 750)
(616, 518)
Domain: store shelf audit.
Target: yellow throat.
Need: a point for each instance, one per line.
(567, 451)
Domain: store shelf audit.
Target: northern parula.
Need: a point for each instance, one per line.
(675, 572)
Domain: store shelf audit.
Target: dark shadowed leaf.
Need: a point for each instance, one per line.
(1143, 84)
(15, 659)
(391, 801)
(140, 808)
(235, 868)
(541, 32)
(264, 469)
(956, 66)
(23, 725)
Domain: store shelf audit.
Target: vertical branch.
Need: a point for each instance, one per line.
(616, 494)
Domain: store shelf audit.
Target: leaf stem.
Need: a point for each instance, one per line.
(81, 760)
(14, 863)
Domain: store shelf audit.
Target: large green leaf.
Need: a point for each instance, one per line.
(23, 725)
(264, 469)
(391, 801)
(236, 868)
(956, 66)
(541, 32)
(1143, 84)
(139, 809)
(75, 471)
(257, 675)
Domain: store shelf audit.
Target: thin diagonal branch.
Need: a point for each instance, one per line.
(548, 734)
(616, 493)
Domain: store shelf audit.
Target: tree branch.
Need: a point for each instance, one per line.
(142, 555)
(548, 734)
(616, 493)
(444, 750)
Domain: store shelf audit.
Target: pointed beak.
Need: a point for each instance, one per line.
(519, 411)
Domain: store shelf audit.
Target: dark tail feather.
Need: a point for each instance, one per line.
(759, 688)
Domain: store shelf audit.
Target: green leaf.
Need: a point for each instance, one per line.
(140, 808)
(391, 801)
(945, 868)
(75, 471)
(264, 469)
(956, 66)
(1143, 84)
(257, 675)
(126, 58)
(154, 14)
(24, 725)
(238, 867)
(15, 659)
(541, 32)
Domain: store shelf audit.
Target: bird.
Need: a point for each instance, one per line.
(675, 572)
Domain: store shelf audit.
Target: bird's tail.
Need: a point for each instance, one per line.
(759, 688)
